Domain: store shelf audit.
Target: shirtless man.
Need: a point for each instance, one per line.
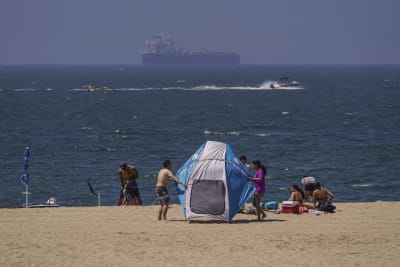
(129, 187)
(164, 176)
(322, 198)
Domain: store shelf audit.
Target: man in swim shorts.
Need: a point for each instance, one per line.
(164, 177)
(322, 199)
(129, 187)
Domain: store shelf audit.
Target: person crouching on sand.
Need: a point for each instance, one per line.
(322, 199)
(164, 176)
(259, 179)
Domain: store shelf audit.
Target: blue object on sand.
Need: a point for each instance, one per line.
(272, 205)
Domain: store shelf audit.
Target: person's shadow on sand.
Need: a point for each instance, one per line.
(232, 222)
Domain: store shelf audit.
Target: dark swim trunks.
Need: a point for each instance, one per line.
(310, 187)
(162, 195)
(132, 189)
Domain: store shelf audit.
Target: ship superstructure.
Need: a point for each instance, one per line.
(163, 50)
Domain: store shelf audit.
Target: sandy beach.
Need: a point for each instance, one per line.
(359, 234)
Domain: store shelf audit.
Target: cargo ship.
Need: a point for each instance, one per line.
(163, 50)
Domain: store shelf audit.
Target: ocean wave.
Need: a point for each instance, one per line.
(135, 89)
(78, 89)
(25, 89)
(86, 128)
(261, 134)
(231, 133)
(234, 133)
(361, 185)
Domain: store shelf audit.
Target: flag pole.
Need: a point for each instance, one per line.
(26, 196)
(26, 193)
(25, 177)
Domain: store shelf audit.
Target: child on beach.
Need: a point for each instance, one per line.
(296, 194)
(243, 159)
(259, 179)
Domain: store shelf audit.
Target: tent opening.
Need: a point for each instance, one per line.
(208, 197)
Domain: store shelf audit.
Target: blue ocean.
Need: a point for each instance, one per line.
(341, 126)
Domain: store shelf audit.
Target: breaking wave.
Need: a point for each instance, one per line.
(231, 133)
(361, 185)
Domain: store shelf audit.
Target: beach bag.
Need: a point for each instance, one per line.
(327, 208)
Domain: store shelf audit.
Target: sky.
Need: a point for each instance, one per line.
(261, 31)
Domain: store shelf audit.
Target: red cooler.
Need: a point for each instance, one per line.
(290, 207)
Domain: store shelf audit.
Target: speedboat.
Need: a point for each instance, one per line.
(284, 82)
(94, 88)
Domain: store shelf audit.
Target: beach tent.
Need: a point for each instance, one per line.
(217, 184)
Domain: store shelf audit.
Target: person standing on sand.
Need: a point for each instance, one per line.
(129, 187)
(259, 179)
(164, 176)
(243, 159)
(309, 184)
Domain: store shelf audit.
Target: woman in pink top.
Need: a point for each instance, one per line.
(259, 179)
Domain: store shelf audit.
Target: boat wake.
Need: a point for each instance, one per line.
(263, 86)
(211, 87)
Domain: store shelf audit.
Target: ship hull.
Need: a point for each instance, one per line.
(192, 59)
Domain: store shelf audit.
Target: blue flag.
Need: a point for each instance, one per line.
(25, 177)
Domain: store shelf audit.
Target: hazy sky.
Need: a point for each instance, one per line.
(262, 31)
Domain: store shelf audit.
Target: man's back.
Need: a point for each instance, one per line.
(128, 175)
(164, 175)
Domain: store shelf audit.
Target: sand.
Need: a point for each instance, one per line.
(359, 234)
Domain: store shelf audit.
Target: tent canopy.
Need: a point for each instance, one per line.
(217, 183)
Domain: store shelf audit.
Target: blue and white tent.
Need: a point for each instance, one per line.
(217, 183)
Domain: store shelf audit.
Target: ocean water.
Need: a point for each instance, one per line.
(342, 127)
